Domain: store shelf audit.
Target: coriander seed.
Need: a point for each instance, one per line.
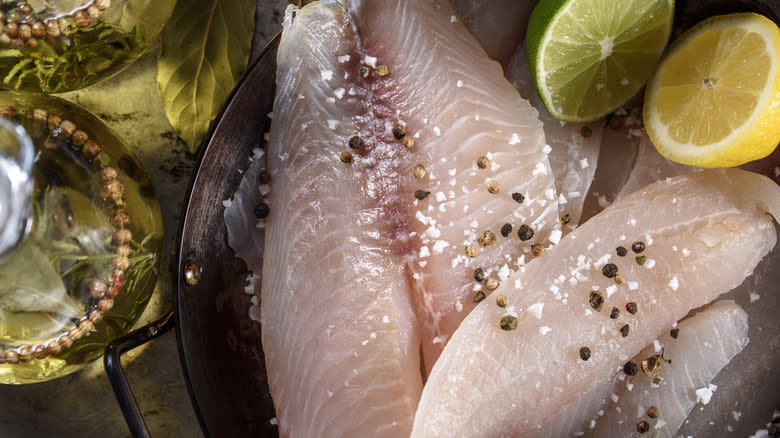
(502, 300)
(419, 171)
(483, 162)
(493, 187)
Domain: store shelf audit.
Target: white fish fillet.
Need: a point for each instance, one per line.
(358, 274)
(704, 233)
(573, 155)
(705, 343)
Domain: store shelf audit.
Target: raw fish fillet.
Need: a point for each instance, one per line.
(574, 147)
(705, 343)
(704, 234)
(498, 25)
(359, 275)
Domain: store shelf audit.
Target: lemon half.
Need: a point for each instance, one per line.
(715, 99)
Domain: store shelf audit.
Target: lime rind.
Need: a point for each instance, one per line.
(585, 70)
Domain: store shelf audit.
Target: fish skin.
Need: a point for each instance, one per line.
(344, 242)
(484, 382)
(706, 342)
(498, 25)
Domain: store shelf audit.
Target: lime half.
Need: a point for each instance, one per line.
(588, 57)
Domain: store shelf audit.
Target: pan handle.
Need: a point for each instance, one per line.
(116, 375)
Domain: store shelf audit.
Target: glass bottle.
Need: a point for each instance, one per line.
(52, 46)
(80, 238)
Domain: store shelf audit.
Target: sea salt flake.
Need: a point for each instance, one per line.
(536, 310)
(326, 75)
(227, 203)
(547, 149)
(584, 163)
(343, 58)
(459, 83)
(453, 19)
(754, 297)
(674, 284)
(555, 236)
(437, 131)
(704, 395)
(332, 124)
(611, 290)
(439, 246)
(370, 61)
(633, 285)
(339, 92)
(424, 252)
(543, 330)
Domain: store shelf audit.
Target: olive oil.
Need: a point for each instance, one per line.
(88, 267)
(54, 46)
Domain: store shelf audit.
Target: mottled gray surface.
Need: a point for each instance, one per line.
(83, 404)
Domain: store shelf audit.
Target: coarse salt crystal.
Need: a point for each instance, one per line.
(439, 246)
(555, 236)
(674, 283)
(343, 58)
(370, 61)
(515, 139)
(633, 285)
(584, 163)
(332, 124)
(704, 395)
(536, 310)
(424, 252)
(459, 83)
(547, 149)
(611, 290)
(543, 330)
(339, 92)
(436, 131)
(326, 75)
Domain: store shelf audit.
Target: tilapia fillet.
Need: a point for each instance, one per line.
(362, 272)
(691, 357)
(702, 234)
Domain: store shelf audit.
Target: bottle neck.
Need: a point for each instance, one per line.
(17, 156)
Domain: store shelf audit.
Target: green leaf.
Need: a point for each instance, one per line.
(205, 49)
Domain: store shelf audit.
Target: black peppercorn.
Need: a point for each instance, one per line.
(584, 353)
(621, 251)
(615, 313)
(518, 197)
(525, 232)
(609, 270)
(630, 368)
(675, 332)
(506, 229)
(262, 210)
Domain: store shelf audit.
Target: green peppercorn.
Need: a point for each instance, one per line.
(641, 260)
(508, 322)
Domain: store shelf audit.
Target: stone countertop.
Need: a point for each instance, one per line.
(83, 403)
